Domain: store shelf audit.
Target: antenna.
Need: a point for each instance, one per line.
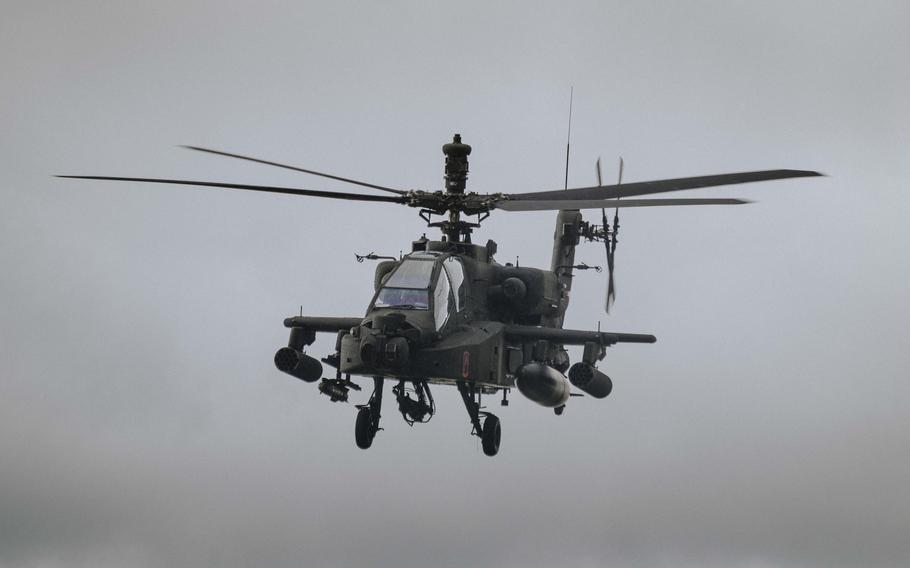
(569, 135)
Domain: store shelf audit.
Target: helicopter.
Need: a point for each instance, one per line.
(447, 313)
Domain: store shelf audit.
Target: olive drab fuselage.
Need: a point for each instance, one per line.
(448, 313)
(460, 333)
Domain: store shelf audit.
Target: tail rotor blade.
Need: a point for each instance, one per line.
(610, 249)
(611, 287)
(611, 244)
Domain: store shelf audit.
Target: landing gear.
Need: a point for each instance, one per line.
(367, 423)
(491, 432)
(363, 428)
(423, 408)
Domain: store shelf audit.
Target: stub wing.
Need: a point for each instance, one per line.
(323, 324)
(573, 336)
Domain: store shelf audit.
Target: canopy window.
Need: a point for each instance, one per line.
(412, 274)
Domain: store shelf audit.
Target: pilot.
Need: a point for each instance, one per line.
(393, 297)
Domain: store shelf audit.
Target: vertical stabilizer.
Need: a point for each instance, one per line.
(565, 239)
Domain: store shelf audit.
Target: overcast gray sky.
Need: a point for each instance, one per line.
(142, 422)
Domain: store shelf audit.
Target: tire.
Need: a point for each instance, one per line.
(490, 437)
(363, 429)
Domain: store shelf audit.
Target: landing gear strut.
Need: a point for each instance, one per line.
(491, 431)
(367, 423)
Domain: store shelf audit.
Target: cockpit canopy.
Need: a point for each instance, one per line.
(425, 281)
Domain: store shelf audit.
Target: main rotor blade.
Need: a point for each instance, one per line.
(296, 169)
(556, 204)
(265, 188)
(657, 186)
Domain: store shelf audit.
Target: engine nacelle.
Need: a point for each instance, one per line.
(543, 384)
(590, 380)
(514, 289)
(297, 364)
(526, 294)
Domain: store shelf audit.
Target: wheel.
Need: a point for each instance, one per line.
(491, 434)
(363, 429)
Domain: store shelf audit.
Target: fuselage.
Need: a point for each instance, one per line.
(442, 312)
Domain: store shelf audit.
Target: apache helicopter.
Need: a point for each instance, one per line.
(447, 313)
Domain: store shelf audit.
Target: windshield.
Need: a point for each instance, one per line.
(411, 274)
(403, 298)
(408, 287)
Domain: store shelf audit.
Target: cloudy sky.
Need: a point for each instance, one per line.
(142, 422)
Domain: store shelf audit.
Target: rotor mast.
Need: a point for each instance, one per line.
(456, 176)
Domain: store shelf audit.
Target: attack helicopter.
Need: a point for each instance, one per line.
(447, 313)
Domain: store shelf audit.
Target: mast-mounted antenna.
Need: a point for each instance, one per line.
(569, 135)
